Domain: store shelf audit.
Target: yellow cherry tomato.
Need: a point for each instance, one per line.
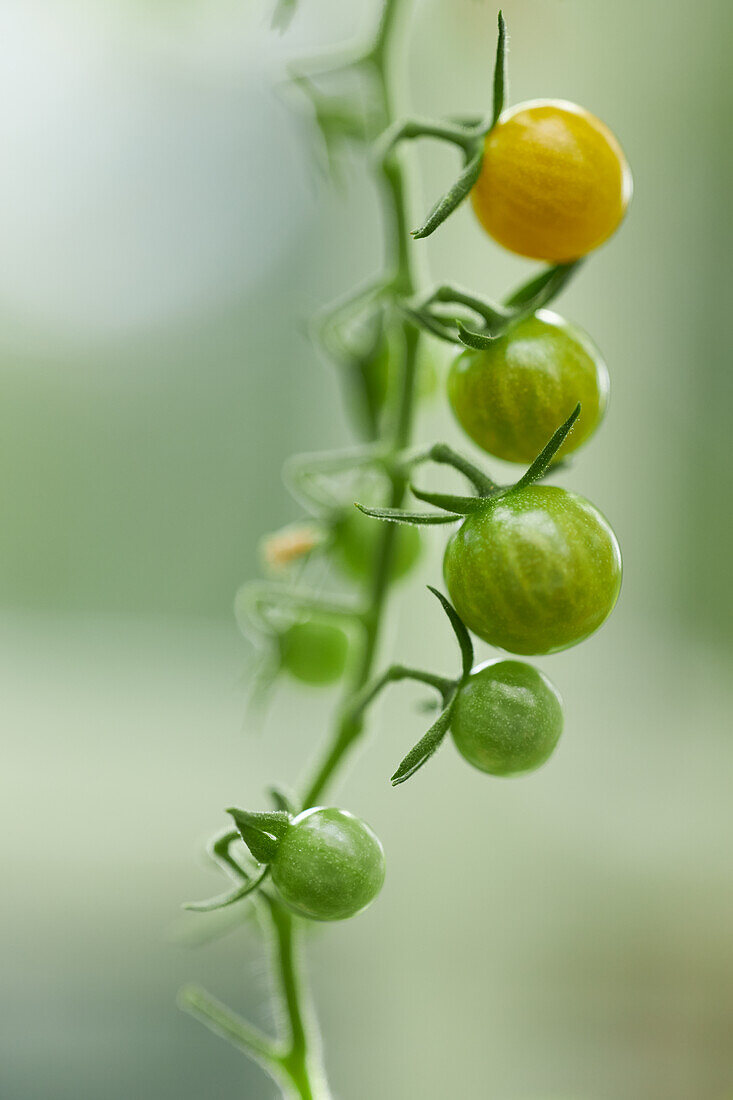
(554, 183)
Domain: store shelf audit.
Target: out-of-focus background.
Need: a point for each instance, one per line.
(164, 235)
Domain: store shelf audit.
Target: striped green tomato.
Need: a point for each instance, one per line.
(511, 397)
(536, 570)
(507, 718)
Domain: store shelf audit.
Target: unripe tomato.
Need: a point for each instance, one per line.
(554, 182)
(511, 397)
(507, 718)
(535, 571)
(355, 538)
(314, 652)
(329, 864)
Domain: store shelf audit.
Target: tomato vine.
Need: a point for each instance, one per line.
(518, 589)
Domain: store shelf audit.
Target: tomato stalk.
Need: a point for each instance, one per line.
(294, 1058)
(295, 1061)
(350, 723)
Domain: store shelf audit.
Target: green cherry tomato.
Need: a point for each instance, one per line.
(329, 864)
(355, 537)
(511, 397)
(535, 571)
(314, 652)
(507, 718)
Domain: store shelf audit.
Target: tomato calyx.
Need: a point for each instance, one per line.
(468, 135)
(471, 321)
(247, 881)
(431, 741)
(261, 832)
(447, 687)
(454, 507)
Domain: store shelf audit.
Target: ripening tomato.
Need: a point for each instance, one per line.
(535, 571)
(329, 865)
(355, 538)
(554, 183)
(507, 718)
(511, 397)
(314, 652)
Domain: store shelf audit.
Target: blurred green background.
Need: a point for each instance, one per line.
(164, 235)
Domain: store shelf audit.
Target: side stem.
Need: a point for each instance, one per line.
(302, 1060)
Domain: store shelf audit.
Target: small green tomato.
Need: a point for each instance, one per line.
(355, 537)
(314, 652)
(507, 718)
(329, 864)
(535, 571)
(510, 397)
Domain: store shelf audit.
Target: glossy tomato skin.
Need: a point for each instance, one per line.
(554, 183)
(355, 538)
(507, 718)
(314, 652)
(329, 865)
(512, 396)
(535, 571)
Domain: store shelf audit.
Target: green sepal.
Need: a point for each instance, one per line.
(424, 749)
(500, 73)
(540, 290)
(397, 515)
(494, 315)
(423, 318)
(478, 341)
(282, 800)
(446, 456)
(542, 463)
(283, 14)
(462, 506)
(261, 832)
(445, 206)
(459, 629)
(221, 901)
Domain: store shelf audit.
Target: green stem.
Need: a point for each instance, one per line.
(394, 674)
(350, 724)
(302, 1060)
(228, 1025)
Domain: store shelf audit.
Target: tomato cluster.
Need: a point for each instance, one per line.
(535, 569)
(532, 569)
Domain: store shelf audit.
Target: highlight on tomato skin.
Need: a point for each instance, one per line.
(510, 397)
(329, 865)
(507, 718)
(536, 571)
(554, 183)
